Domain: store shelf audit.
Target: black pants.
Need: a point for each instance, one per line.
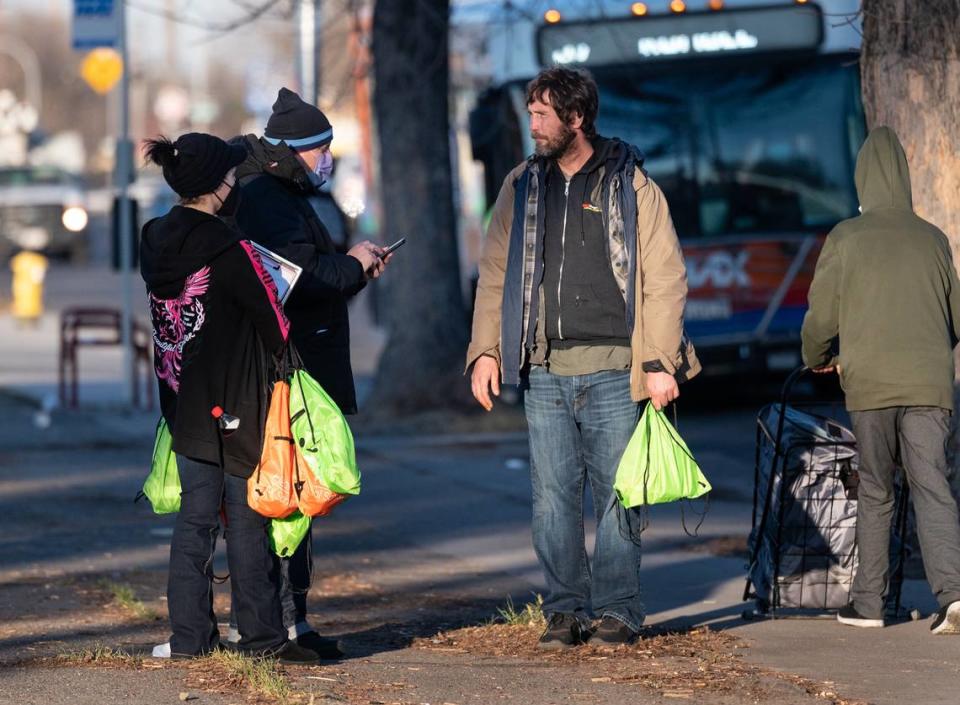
(253, 573)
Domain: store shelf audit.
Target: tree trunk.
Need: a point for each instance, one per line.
(422, 363)
(910, 71)
(910, 68)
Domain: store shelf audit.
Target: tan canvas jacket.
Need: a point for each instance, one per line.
(661, 286)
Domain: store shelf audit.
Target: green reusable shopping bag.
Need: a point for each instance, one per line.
(657, 467)
(322, 435)
(287, 533)
(162, 486)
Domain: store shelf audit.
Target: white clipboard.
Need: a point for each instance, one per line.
(284, 272)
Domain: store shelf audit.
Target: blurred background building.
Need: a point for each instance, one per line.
(748, 111)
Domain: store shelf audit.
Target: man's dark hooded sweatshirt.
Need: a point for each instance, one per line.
(216, 325)
(275, 212)
(886, 284)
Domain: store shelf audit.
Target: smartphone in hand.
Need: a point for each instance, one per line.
(393, 248)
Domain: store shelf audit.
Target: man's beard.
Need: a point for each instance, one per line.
(557, 147)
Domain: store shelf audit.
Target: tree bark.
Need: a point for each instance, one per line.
(910, 72)
(421, 366)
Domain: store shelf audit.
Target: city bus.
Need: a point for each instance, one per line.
(749, 117)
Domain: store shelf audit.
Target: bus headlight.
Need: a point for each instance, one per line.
(74, 219)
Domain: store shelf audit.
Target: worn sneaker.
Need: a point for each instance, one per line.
(292, 654)
(612, 632)
(161, 650)
(563, 631)
(324, 648)
(849, 616)
(947, 620)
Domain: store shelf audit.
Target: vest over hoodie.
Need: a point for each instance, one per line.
(624, 264)
(217, 323)
(886, 284)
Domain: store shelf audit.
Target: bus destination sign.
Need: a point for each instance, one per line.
(672, 37)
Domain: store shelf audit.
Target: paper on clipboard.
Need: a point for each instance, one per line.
(284, 272)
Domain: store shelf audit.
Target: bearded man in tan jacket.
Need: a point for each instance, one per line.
(581, 297)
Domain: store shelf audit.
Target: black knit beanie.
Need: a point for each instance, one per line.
(296, 123)
(196, 163)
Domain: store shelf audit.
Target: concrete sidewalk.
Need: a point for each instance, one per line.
(439, 536)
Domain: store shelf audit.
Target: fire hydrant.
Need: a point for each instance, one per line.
(29, 270)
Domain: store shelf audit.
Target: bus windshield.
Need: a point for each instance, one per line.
(758, 149)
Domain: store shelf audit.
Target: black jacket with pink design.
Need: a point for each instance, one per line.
(216, 325)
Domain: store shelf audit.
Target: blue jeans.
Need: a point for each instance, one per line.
(579, 428)
(253, 573)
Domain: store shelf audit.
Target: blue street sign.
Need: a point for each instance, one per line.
(96, 23)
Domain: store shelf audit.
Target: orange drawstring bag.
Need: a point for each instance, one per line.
(270, 489)
(314, 498)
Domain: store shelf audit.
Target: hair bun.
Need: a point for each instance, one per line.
(162, 152)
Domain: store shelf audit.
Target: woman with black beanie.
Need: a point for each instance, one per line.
(217, 323)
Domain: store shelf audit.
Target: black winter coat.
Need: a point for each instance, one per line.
(275, 211)
(217, 324)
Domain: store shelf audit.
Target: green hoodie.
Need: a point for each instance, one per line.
(886, 284)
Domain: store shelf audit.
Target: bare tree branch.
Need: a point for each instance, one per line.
(218, 28)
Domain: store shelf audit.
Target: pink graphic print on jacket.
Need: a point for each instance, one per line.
(175, 323)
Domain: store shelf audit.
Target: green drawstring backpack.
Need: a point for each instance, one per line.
(322, 435)
(162, 486)
(657, 466)
(287, 533)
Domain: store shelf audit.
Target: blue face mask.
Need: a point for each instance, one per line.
(324, 167)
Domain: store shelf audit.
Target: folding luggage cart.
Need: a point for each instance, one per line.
(803, 551)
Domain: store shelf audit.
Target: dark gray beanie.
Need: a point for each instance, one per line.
(296, 123)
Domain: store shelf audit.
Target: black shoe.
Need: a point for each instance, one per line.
(849, 616)
(947, 620)
(292, 654)
(563, 631)
(612, 632)
(324, 648)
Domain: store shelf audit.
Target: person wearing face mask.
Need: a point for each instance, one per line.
(331, 215)
(216, 323)
(279, 181)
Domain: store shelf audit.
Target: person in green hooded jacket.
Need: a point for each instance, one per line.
(885, 284)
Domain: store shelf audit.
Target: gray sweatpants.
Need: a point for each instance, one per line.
(916, 438)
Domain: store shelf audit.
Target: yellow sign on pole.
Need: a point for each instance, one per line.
(101, 69)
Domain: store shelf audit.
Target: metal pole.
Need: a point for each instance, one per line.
(308, 51)
(317, 50)
(124, 156)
